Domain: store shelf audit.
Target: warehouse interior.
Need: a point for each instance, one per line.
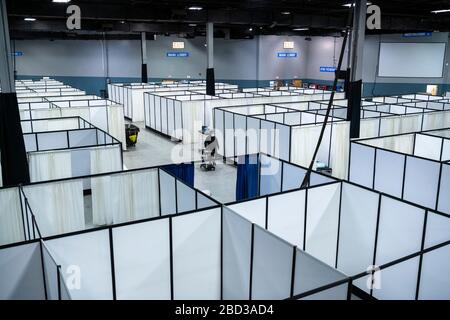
(211, 150)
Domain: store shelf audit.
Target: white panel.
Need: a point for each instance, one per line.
(359, 209)
(438, 229)
(253, 135)
(11, 224)
(75, 253)
(434, 280)
(229, 135)
(282, 142)
(400, 230)
(196, 255)
(444, 200)
(292, 176)
(99, 118)
(204, 202)
(421, 181)
(399, 281)
(417, 60)
(219, 130)
(142, 260)
(254, 211)
(51, 274)
(361, 164)
(237, 234)
(270, 180)
(185, 197)
(272, 267)
(52, 140)
(311, 273)
(167, 187)
(240, 127)
(81, 138)
(286, 216)
(21, 275)
(428, 147)
(446, 150)
(322, 222)
(389, 172)
(267, 137)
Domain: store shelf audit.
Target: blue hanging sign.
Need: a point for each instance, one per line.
(287, 55)
(177, 54)
(18, 53)
(417, 34)
(327, 69)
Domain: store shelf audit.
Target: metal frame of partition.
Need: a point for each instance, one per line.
(376, 149)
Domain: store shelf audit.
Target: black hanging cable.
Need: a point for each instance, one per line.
(306, 179)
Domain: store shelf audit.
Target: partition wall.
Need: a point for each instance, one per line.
(82, 149)
(206, 254)
(360, 232)
(414, 167)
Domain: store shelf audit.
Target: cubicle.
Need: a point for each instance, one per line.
(353, 228)
(414, 167)
(69, 147)
(208, 254)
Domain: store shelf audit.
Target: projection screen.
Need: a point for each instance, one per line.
(411, 60)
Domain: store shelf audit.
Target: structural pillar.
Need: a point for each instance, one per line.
(210, 81)
(144, 74)
(355, 85)
(13, 156)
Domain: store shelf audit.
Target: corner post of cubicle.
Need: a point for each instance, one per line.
(12, 147)
(210, 81)
(144, 75)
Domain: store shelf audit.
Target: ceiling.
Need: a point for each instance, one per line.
(232, 18)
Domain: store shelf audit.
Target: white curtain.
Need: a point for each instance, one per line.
(303, 143)
(58, 206)
(369, 128)
(436, 120)
(116, 123)
(11, 225)
(125, 197)
(51, 165)
(105, 159)
(340, 143)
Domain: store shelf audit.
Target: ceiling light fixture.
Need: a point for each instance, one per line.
(61, 1)
(29, 19)
(348, 5)
(285, 13)
(300, 29)
(195, 8)
(250, 29)
(192, 24)
(440, 11)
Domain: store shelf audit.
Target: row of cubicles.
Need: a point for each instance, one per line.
(204, 251)
(290, 131)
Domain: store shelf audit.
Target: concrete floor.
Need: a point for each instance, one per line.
(153, 149)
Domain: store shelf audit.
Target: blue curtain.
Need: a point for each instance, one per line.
(247, 177)
(183, 171)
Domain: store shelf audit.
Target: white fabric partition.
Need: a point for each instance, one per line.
(142, 260)
(237, 246)
(11, 224)
(322, 219)
(85, 264)
(272, 267)
(196, 255)
(58, 206)
(21, 274)
(50, 165)
(125, 197)
(434, 282)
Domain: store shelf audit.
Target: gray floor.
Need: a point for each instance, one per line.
(153, 149)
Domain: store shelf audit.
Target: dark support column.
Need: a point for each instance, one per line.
(144, 75)
(12, 147)
(355, 85)
(210, 79)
